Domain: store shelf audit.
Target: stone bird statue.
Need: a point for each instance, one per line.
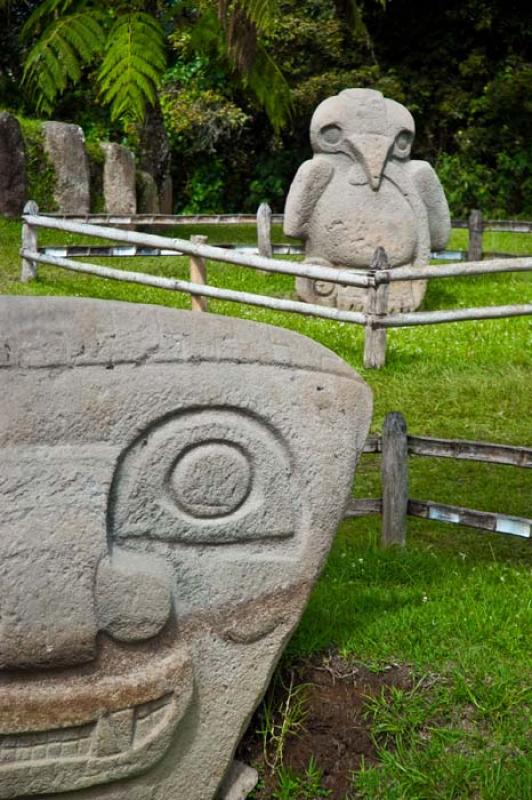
(361, 190)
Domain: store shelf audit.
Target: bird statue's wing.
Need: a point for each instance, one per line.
(431, 192)
(311, 179)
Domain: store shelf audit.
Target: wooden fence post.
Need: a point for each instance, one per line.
(377, 307)
(394, 477)
(29, 242)
(264, 230)
(476, 229)
(198, 274)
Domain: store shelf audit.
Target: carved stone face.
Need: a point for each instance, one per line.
(367, 128)
(170, 485)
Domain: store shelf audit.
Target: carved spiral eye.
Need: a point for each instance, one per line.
(331, 134)
(204, 476)
(211, 480)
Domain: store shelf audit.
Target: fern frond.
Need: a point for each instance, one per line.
(133, 65)
(260, 12)
(206, 34)
(269, 86)
(49, 10)
(66, 46)
(258, 72)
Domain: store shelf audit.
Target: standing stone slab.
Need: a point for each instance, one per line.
(169, 494)
(119, 185)
(65, 146)
(147, 194)
(12, 166)
(166, 196)
(361, 191)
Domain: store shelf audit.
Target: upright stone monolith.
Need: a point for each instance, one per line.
(147, 194)
(65, 146)
(166, 196)
(169, 494)
(12, 166)
(119, 185)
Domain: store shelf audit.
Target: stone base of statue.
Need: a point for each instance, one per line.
(402, 296)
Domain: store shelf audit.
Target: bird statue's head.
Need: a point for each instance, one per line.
(367, 127)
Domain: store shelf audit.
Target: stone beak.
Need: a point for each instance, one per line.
(372, 150)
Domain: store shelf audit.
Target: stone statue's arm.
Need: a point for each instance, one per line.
(311, 179)
(431, 191)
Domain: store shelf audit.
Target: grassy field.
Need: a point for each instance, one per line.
(455, 604)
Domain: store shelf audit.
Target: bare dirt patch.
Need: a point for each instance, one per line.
(331, 727)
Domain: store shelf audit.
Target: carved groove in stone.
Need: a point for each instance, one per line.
(204, 476)
(120, 738)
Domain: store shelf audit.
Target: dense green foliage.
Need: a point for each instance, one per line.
(461, 67)
(242, 79)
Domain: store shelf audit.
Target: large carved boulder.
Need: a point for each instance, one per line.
(170, 487)
(12, 166)
(361, 191)
(119, 186)
(65, 145)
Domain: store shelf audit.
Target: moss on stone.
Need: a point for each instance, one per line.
(39, 169)
(96, 158)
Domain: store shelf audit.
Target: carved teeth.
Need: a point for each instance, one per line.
(57, 744)
(149, 717)
(114, 733)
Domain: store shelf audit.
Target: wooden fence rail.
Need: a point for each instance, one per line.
(395, 506)
(264, 219)
(168, 220)
(376, 319)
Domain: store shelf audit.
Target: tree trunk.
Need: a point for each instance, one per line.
(155, 153)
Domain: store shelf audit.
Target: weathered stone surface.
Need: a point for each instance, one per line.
(119, 189)
(169, 492)
(361, 191)
(147, 194)
(12, 166)
(166, 201)
(239, 782)
(65, 146)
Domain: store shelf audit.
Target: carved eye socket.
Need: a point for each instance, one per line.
(211, 479)
(204, 476)
(403, 141)
(331, 134)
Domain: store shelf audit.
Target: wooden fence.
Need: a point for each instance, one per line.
(477, 225)
(264, 219)
(376, 319)
(395, 505)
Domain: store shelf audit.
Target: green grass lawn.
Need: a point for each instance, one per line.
(455, 604)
